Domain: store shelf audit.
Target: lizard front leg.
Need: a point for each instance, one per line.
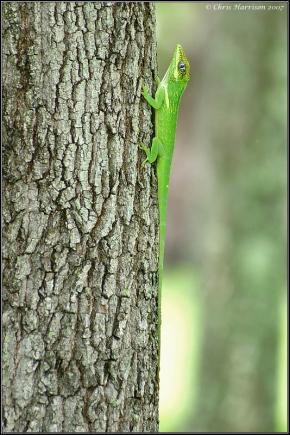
(156, 102)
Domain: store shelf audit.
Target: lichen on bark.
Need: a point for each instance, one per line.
(80, 218)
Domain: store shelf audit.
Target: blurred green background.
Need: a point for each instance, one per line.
(223, 359)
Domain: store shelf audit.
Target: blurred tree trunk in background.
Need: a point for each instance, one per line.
(243, 258)
(81, 219)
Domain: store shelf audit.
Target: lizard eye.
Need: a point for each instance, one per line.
(181, 67)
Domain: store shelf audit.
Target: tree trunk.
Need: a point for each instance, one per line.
(81, 218)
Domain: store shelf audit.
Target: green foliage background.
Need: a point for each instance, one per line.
(223, 364)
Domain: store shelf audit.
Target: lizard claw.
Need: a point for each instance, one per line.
(143, 163)
(145, 90)
(143, 147)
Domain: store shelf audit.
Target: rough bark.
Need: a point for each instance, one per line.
(80, 218)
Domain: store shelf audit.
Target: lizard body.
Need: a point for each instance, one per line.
(166, 104)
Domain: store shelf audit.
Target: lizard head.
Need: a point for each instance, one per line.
(180, 68)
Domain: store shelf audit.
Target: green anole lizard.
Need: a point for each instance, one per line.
(166, 104)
